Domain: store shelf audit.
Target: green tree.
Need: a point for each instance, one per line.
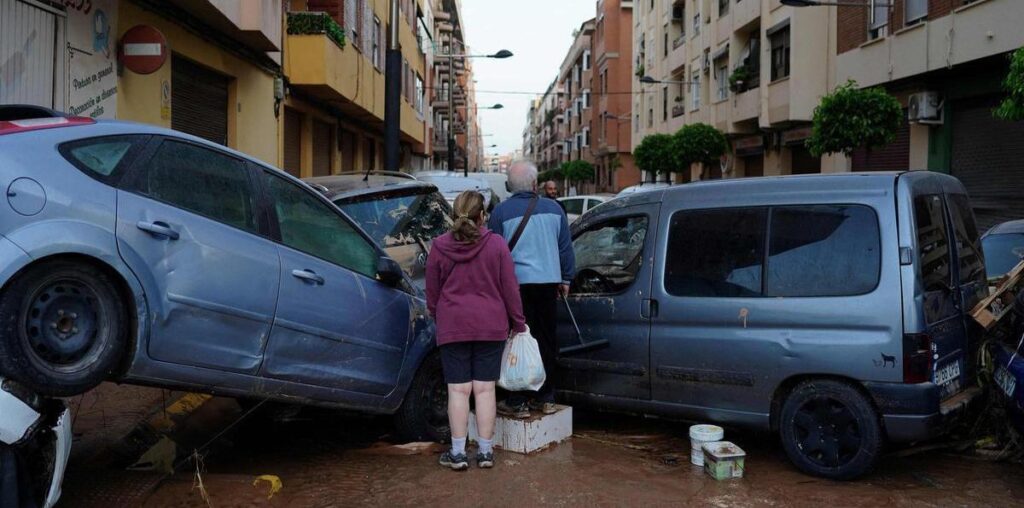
(1012, 107)
(850, 118)
(699, 143)
(656, 154)
(579, 171)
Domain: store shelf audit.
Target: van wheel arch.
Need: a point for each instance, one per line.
(787, 385)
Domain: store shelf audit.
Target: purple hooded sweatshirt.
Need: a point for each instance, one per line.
(472, 290)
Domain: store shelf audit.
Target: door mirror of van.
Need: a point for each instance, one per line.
(389, 271)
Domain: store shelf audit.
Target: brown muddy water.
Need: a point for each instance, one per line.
(326, 459)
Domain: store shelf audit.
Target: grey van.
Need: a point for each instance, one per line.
(828, 308)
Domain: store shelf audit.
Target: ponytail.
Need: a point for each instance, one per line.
(466, 213)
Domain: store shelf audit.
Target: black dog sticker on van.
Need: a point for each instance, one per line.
(885, 361)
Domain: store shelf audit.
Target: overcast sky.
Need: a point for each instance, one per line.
(539, 33)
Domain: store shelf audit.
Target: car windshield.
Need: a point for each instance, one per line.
(1002, 252)
(403, 223)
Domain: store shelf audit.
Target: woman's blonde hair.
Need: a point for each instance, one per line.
(466, 212)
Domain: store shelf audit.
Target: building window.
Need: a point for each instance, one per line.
(695, 92)
(780, 54)
(604, 81)
(878, 21)
(376, 43)
(650, 112)
(586, 60)
(419, 93)
(915, 10)
(353, 13)
(665, 45)
(696, 24)
(722, 78)
(586, 99)
(664, 104)
(723, 7)
(636, 123)
(751, 58)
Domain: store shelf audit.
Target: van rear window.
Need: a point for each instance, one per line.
(932, 243)
(814, 250)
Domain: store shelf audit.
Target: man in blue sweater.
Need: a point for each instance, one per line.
(545, 265)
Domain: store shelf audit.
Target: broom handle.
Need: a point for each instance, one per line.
(573, 318)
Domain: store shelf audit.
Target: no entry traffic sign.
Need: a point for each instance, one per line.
(143, 49)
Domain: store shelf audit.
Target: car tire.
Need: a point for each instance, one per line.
(830, 429)
(423, 415)
(63, 328)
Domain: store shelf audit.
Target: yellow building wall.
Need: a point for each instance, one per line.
(252, 127)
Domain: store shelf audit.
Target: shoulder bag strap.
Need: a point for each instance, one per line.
(522, 224)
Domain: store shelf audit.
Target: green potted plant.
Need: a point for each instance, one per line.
(739, 80)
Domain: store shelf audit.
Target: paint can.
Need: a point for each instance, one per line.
(724, 460)
(700, 434)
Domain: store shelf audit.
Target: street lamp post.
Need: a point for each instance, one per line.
(392, 93)
(451, 97)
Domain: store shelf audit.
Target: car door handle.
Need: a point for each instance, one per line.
(309, 276)
(158, 228)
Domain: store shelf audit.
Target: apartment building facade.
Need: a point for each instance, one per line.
(611, 85)
(333, 114)
(454, 113)
(575, 79)
(945, 61)
(779, 59)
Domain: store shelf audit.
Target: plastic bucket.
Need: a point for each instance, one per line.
(700, 434)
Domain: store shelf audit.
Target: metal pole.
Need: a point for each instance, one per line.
(451, 105)
(392, 94)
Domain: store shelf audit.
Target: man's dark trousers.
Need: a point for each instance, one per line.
(540, 306)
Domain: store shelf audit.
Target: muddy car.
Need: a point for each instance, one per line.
(149, 256)
(829, 309)
(402, 214)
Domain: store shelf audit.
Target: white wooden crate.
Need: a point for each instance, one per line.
(531, 434)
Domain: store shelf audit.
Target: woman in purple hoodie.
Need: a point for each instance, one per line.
(473, 294)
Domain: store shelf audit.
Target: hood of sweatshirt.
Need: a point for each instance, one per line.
(460, 252)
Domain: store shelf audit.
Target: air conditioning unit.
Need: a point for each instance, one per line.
(925, 108)
(705, 63)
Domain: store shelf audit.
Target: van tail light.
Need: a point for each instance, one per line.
(917, 358)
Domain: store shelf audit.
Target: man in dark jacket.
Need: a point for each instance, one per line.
(545, 265)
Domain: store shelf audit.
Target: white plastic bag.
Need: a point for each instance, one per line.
(522, 368)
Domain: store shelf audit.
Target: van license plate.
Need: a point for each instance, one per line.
(947, 374)
(1005, 381)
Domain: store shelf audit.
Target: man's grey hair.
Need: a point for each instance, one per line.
(522, 176)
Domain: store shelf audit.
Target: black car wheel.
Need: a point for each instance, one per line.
(62, 328)
(830, 429)
(424, 412)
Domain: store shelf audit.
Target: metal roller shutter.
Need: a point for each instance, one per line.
(322, 140)
(803, 163)
(29, 53)
(293, 142)
(988, 157)
(753, 165)
(894, 157)
(199, 101)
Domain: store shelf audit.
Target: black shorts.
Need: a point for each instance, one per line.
(472, 361)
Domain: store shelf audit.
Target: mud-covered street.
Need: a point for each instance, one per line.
(326, 459)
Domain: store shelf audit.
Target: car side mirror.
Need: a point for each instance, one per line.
(389, 271)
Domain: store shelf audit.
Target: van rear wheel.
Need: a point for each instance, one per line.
(830, 429)
(63, 328)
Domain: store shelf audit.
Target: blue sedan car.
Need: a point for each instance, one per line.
(153, 257)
